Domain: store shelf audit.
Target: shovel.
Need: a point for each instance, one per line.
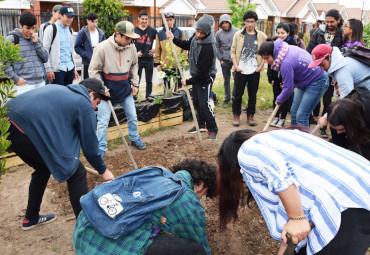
(271, 117)
(291, 246)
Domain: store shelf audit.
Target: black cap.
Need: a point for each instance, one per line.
(169, 15)
(95, 85)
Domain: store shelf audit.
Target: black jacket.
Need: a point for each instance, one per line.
(318, 37)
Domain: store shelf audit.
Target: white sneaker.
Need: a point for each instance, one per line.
(280, 123)
(274, 122)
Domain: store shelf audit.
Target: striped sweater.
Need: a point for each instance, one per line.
(330, 180)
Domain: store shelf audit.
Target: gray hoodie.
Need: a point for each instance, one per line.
(224, 39)
(31, 69)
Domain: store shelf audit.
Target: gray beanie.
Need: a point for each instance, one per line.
(205, 23)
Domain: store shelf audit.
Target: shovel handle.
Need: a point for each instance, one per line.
(291, 246)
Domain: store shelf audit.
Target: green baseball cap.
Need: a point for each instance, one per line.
(57, 7)
(126, 28)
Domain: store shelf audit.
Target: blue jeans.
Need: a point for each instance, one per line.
(104, 113)
(306, 99)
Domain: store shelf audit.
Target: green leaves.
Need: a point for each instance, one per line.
(109, 11)
(366, 35)
(238, 8)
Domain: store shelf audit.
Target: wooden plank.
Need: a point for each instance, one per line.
(13, 161)
(171, 122)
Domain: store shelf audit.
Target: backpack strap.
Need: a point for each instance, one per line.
(47, 23)
(54, 34)
(16, 39)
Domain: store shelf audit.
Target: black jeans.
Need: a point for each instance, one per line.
(64, 78)
(205, 115)
(86, 71)
(353, 237)
(148, 66)
(226, 72)
(164, 244)
(284, 107)
(77, 183)
(239, 85)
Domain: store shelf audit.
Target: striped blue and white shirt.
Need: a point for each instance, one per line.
(330, 179)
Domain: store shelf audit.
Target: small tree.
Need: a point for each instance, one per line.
(366, 35)
(9, 54)
(238, 8)
(109, 11)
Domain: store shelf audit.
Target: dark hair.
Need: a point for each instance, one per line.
(266, 49)
(284, 26)
(200, 171)
(357, 30)
(143, 13)
(349, 112)
(96, 94)
(293, 28)
(250, 15)
(336, 15)
(92, 16)
(27, 19)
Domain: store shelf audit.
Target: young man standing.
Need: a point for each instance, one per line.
(224, 40)
(144, 49)
(115, 63)
(55, 16)
(331, 34)
(202, 57)
(161, 54)
(87, 38)
(58, 41)
(27, 74)
(247, 65)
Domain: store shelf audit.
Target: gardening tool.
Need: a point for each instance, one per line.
(183, 77)
(92, 171)
(122, 136)
(316, 129)
(291, 246)
(271, 117)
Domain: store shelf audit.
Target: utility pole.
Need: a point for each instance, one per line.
(155, 14)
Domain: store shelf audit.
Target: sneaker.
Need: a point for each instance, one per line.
(212, 136)
(102, 154)
(244, 109)
(280, 124)
(193, 130)
(236, 120)
(323, 133)
(274, 122)
(138, 144)
(43, 219)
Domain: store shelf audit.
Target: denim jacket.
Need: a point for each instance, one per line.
(118, 207)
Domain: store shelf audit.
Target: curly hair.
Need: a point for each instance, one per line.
(200, 171)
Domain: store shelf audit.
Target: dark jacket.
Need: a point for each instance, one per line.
(83, 46)
(145, 42)
(318, 37)
(202, 58)
(59, 121)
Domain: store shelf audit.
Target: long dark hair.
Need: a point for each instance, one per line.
(229, 179)
(357, 30)
(349, 112)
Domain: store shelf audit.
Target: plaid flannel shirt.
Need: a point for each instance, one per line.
(185, 219)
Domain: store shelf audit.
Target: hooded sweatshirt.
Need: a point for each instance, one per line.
(116, 66)
(32, 68)
(202, 54)
(224, 39)
(59, 120)
(294, 70)
(348, 72)
(83, 45)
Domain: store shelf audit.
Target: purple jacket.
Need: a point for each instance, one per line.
(350, 44)
(294, 70)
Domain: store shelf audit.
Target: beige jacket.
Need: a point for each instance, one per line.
(161, 54)
(238, 43)
(109, 57)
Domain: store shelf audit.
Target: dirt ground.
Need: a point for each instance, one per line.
(248, 235)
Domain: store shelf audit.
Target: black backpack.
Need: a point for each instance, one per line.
(359, 53)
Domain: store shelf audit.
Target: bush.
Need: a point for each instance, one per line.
(366, 35)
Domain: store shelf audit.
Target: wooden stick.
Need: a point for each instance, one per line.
(316, 128)
(92, 171)
(183, 77)
(122, 136)
(271, 117)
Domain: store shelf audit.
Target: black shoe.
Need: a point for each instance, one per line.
(323, 133)
(138, 144)
(193, 130)
(226, 102)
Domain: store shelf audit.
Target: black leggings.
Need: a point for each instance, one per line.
(77, 183)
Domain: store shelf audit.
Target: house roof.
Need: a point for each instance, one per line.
(167, 3)
(284, 5)
(324, 7)
(215, 6)
(297, 7)
(354, 13)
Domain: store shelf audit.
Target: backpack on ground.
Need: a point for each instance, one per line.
(359, 53)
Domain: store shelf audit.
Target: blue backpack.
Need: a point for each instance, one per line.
(116, 208)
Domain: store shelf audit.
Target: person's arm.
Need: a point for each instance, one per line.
(313, 41)
(79, 45)
(345, 81)
(204, 64)
(46, 41)
(233, 53)
(134, 69)
(218, 46)
(40, 50)
(183, 44)
(158, 52)
(269, 74)
(287, 73)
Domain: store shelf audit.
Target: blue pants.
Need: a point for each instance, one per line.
(64, 78)
(104, 113)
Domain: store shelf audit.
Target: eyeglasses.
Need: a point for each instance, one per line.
(347, 26)
(249, 22)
